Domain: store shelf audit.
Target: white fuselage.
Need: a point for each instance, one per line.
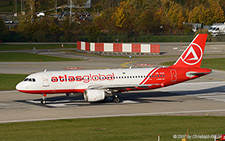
(79, 80)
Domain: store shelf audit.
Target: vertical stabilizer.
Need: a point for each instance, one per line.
(192, 56)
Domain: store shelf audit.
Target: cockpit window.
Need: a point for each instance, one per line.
(30, 79)
(26, 79)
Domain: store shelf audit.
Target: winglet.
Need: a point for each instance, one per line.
(192, 56)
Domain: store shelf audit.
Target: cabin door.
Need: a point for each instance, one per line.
(45, 80)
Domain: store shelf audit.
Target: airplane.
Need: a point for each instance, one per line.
(97, 85)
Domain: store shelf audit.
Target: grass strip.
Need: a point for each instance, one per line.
(117, 56)
(115, 128)
(7, 47)
(212, 63)
(9, 81)
(28, 57)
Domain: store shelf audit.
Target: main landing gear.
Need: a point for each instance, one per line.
(43, 101)
(116, 99)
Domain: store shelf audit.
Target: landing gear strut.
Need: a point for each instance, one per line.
(44, 99)
(116, 99)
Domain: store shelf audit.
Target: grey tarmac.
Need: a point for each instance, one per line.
(190, 98)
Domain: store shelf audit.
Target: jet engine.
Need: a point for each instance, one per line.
(94, 95)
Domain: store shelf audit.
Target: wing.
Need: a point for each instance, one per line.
(124, 87)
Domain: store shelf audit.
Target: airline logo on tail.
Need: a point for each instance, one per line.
(193, 55)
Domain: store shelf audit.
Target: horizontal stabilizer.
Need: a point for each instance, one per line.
(199, 73)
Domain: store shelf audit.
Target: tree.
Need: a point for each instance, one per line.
(175, 16)
(125, 17)
(162, 15)
(148, 21)
(79, 3)
(191, 4)
(197, 14)
(33, 4)
(44, 29)
(222, 4)
(119, 15)
(212, 14)
(138, 4)
(2, 29)
(92, 31)
(101, 5)
(104, 21)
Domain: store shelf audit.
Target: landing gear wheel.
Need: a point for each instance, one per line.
(43, 102)
(116, 99)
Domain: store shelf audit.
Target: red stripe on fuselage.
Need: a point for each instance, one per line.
(53, 91)
(150, 73)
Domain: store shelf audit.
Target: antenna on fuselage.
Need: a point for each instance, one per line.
(45, 70)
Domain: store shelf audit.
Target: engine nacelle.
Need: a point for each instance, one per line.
(94, 95)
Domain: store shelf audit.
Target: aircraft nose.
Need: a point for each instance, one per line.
(20, 86)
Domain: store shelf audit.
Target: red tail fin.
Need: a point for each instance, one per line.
(192, 56)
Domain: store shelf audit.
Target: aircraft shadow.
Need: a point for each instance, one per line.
(126, 98)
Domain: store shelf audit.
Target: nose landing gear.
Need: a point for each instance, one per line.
(43, 101)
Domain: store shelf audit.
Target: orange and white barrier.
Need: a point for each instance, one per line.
(118, 47)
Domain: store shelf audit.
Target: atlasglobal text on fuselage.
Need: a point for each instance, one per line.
(84, 78)
(96, 85)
